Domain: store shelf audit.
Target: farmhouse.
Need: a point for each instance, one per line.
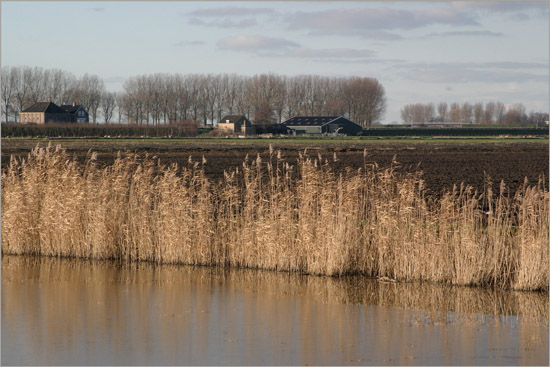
(237, 124)
(44, 112)
(78, 113)
(318, 125)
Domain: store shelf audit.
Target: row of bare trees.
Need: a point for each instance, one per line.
(164, 98)
(467, 113)
(22, 86)
(264, 98)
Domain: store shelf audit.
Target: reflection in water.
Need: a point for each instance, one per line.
(88, 312)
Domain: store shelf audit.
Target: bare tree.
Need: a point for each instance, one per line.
(478, 113)
(193, 84)
(8, 89)
(54, 88)
(366, 100)
(88, 92)
(35, 80)
(295, 96)
(455, 112)
(442, 109)
(108, 103)
(500, 109)
(131, 102)
(466, 113)
(243, 102)
(538, 118)
(335, 104)
(489, 113)
(429, 112)
(170, 106)
(219, 86)
(263, 114)
(515, 115)
(234, 86)
(119, 101)
(407, 114)
(375, 102)
(22, 89)
(205, 98)
(261, 90)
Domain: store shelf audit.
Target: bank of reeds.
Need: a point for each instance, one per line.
(270, 214)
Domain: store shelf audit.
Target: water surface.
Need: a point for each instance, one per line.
(75, 312)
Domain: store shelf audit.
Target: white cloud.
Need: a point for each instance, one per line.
(375, 22)
(188, 43)
(515, 65)
(255, 43)
(233, 11)
(282, 48)
(225, 23)
(494, 72)
(465, 34)
(517, 10)
(500, 6)
(333, 53)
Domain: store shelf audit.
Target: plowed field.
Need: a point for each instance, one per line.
(443, 163)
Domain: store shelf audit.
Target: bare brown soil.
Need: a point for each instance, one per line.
(444, 164)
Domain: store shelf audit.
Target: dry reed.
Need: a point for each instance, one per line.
(270, 214)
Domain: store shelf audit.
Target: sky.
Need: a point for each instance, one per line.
(421, 52)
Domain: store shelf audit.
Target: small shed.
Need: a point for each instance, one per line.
(323, 125)
(237, 124)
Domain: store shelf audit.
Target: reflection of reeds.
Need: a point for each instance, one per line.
(438, 299)
(269, 214)
(144, 313)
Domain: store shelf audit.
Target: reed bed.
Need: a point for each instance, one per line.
(271, 214)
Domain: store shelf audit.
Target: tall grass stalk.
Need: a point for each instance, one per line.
(303, 217)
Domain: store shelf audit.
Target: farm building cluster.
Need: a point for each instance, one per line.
(298, 125)
(47, 112)
(44, 112)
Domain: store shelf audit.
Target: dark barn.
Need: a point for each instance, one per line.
(78, 113)
(322, 125)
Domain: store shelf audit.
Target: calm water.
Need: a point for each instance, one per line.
(83, 312)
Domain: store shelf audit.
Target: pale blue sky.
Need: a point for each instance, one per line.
(419, 51)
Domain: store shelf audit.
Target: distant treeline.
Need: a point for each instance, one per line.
(463, 131)
(477, 113)
(177, 130)
(163, 98)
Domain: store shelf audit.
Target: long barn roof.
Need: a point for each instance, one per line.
(48, 107)
(309, 120)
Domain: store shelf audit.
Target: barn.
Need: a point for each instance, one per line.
(44, 112)
(78, 113)
(322, 125)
